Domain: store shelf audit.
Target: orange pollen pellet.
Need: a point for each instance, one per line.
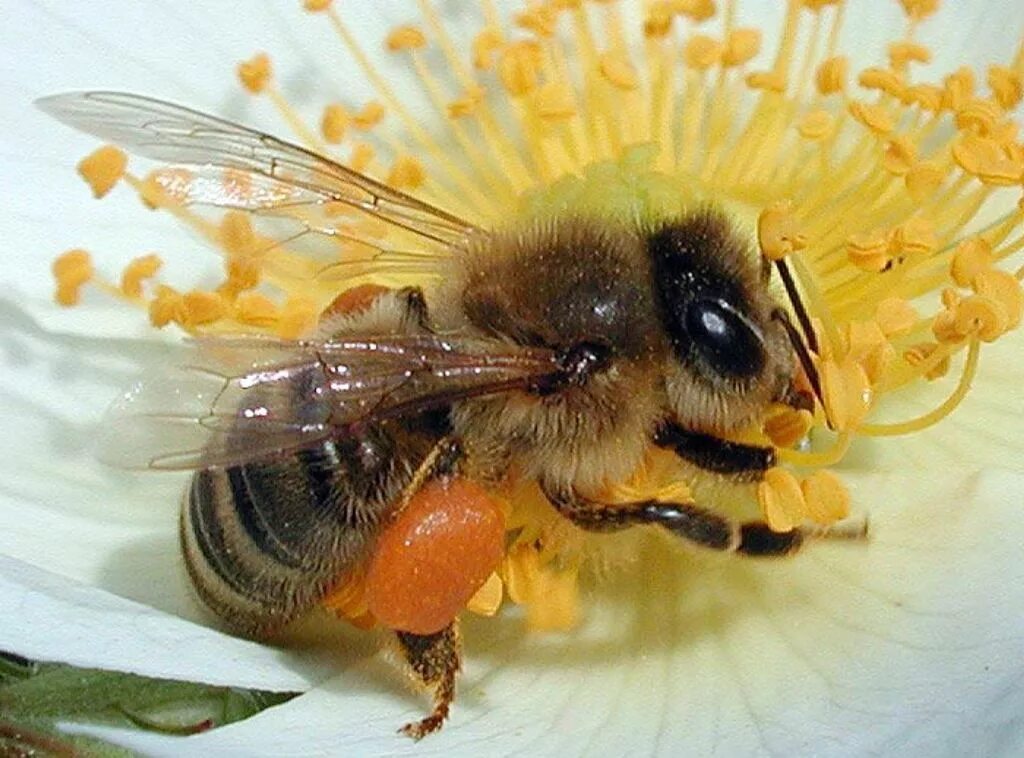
(71, 270)
(255, 73)
(334, 123)
(434, 557)
(138, 271)
(103, 168)
(405, 38)
(353, 300)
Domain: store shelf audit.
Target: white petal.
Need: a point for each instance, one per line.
(911, 644)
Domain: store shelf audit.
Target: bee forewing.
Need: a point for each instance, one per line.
(285, 172)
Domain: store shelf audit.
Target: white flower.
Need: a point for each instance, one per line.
(912, 643)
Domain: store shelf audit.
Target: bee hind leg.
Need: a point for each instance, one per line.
(434, 661)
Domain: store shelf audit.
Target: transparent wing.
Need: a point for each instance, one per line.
(232, 401)
(284, 174)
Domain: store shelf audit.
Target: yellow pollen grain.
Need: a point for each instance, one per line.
(778, 232)
(369, 116)
(905, 52)
(781, 500)
(316, 6)
(405, 38)
(816, 125)
(831, 76)
(486, 46)
(1004, 288)
(71, 270)
(103, 168)
(407, 173)
(918, 354)
(895, 316)
(900, 156)
(875, 117)
(167, 306)
(555, 101)
(869, 251)
(255, 73)
(1007, 86)
(334, 123)
(519, 68)
(138, 271)
(787, 428)
(972, 256)
(741, 46)
(827, 499)
(617, 69)
(297, 318)
(980, 315)
(487, 600)
(702, 52)
(255, 309)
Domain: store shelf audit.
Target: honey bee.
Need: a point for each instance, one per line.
(557, 350)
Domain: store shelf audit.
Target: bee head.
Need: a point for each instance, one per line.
(729, 357)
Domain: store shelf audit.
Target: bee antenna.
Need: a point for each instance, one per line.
(798, 306)
(804, 356)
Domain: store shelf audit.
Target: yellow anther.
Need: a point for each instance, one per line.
(787, 428)
(918, 10)
(778, 231)
(103, 168)
(950, 298)
(831, 75)
(254, 309)
(991, 162)
(297, 318)
(466, 104)
(550, 597)
(407, 173)
(702, 52)
(869, 251)
(316, 6)
(243, 274)
(1007, 86)
(895, 316)
(235, 233)
(958, 88)
(166, 187)
(875, 117)
(540, 19)
(769, 81)
(781, 500)
(918, 354)
(361, 157)
(486, 46)
(658, 21)
(972, 256)
(1004, 288)
(979, 115)
(902, 54)
(981, 315)
(847, 392)
(201, 308)
(900, 156)
(618, 70)
(405, 38)
(555, 101)
(519, 68)
(167, 306)
(334, 123)
(870, 348)
(915, 237)
(369, 116)
(695, 10)
(882, 79)
(826, 498)
(255, 73)
(816, 125)
(741, 45)
(817, 5)
(923, 180)
(487, 599)
(944, 326)
(928, 96)
(71, 270)
(139, 270)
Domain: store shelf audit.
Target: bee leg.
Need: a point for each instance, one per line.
(434, 661)
(745, 463)
(416, 306)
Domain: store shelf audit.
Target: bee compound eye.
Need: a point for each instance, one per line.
(725, 338)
